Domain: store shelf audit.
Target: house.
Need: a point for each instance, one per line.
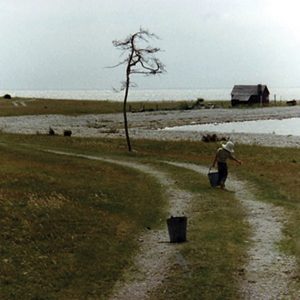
(249, 94)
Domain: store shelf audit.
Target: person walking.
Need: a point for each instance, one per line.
(224, 153)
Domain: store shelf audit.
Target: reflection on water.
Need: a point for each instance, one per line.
(281, 127)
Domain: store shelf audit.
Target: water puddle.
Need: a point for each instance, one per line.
(289, 126)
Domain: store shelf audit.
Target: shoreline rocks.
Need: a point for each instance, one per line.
(148, 125)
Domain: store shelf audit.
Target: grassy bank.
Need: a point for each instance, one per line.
(26, 106)
(20, 106)
(60, 216)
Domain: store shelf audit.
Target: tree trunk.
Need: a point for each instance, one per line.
(125, 110)
(128, 72)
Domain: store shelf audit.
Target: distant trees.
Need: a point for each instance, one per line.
(139, 59)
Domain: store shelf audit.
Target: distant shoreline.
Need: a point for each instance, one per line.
(209, 94)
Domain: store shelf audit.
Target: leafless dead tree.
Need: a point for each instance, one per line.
(140, 59)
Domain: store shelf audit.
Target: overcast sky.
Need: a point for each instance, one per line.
(66, 44)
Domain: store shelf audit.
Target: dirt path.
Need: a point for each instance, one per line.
(268, 273)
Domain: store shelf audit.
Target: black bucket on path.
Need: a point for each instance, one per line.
(177, 229)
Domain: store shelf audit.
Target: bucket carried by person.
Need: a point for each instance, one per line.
(213, 177)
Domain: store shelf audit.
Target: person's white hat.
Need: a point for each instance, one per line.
(228, 146)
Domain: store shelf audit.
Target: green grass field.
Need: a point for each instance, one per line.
(69, 226)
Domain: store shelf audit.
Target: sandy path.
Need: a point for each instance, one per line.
(153, 259)
(268, 273)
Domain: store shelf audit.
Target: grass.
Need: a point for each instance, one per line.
(53, 242)
(66, 107)
(76, 107)
(67, 234)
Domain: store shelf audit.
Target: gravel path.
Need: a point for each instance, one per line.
(269, 273)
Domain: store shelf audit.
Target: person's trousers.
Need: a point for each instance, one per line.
(223, 172)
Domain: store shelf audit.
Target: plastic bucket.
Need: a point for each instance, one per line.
(213, 178)
(177, 229)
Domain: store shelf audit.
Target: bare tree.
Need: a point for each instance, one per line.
(140, 59)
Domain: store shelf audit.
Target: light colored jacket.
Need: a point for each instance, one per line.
(223, 155)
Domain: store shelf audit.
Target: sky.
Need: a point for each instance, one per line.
(67, 44)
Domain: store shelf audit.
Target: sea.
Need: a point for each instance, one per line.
(210, 94)
(290, 126)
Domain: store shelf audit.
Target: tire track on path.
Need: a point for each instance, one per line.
(268, 273)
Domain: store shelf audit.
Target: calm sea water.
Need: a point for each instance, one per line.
(280, 127)
(148, 95)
